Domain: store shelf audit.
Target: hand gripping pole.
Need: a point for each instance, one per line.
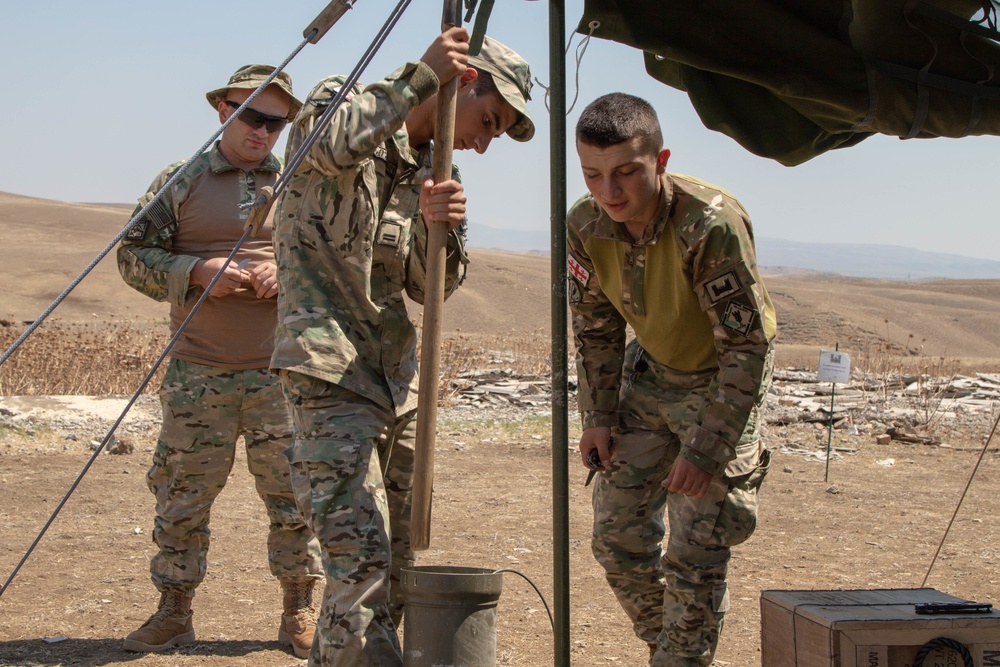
(430, 349)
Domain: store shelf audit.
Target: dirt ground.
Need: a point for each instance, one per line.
(872, 525)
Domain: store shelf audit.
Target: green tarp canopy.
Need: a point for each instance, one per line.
(790, 79)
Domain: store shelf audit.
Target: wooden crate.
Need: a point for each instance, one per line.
(869, 628)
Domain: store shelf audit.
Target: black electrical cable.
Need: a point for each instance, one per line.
(943, 642)
(540, 596)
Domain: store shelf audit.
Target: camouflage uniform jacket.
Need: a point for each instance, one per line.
(350, 240)
(691, 290)
(199, 218)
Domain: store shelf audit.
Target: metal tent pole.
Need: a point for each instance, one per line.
(560, 424)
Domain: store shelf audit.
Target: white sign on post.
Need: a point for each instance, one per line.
(834, 366)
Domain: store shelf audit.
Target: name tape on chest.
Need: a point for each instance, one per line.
(576, 269)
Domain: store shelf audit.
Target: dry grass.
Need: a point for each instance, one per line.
(102, 358)
(93, 359)
(887, 367)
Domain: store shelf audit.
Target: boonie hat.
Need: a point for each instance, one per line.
(250, 77)
(513, 80)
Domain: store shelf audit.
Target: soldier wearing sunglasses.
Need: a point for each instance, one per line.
(217, 385)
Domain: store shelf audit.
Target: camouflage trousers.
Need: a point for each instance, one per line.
(676, 599)
(352, 471)
(205, 410)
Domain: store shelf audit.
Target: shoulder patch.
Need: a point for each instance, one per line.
(137, 232)
(575, 293)
(160, 214)
(576, 270)
(738, 318)
(723, 287)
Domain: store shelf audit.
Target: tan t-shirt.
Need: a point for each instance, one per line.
(200, 218)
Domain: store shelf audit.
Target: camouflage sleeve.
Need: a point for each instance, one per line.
(364, 121)
(145, 260)
(729, 288)
(456, 258)
(598, 329)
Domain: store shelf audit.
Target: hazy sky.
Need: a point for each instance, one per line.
(102, 95)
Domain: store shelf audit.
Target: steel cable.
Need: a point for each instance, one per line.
(296, 160)
(293, 164)
(128, 406)
(965, 492)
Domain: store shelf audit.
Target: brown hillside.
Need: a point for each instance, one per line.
(47, 243)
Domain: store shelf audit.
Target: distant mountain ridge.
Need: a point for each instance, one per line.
(857, 260)
(863, 260)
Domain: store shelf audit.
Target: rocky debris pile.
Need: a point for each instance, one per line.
(908, 409)
(906, 397)
(498, 394)
(82, 420)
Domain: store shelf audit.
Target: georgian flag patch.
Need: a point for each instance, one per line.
(576, 270)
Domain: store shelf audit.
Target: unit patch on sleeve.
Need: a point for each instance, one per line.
(575, 293)
(723, 287)
(738, 318)
(138, 231)
(576, 270)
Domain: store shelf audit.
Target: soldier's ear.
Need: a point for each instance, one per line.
(469, 78)
(661, 160)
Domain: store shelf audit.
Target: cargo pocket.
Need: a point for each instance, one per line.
(705, 513)
(738, 518)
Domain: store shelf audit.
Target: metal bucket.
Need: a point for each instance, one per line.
(450, 616)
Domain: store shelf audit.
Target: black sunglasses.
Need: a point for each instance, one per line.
(256, 119)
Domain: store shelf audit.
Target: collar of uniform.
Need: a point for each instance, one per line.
(219, 163)
(661, 218)
(607, 228)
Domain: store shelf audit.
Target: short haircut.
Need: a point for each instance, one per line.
(618, 117)
(484, 84)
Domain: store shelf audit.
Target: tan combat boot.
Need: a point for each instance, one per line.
(170, 626)
(298, 621)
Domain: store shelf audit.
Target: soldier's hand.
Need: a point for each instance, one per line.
(228, 282)
(448, 56)
(443, 202)
(688, 479)
(264, 280)
(599, 438)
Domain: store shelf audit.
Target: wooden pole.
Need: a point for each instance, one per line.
(430, 347)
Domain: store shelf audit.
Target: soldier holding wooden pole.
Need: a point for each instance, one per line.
(351, 237)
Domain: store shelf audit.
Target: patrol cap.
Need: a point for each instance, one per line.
(513, 80)
(250, 77)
